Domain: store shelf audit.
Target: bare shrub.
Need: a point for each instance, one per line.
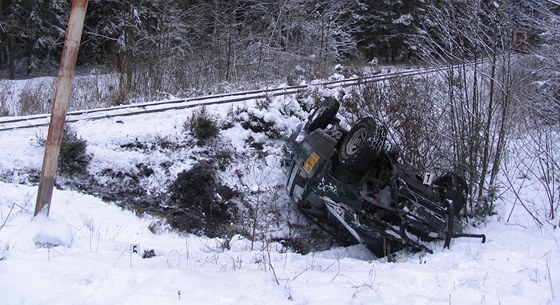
(5, 93)
(35, 97)
(534, 166)
(440, 127)
(406, 106)
(95, 91)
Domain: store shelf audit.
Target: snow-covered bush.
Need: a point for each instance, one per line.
(271, 117)
(259, 120)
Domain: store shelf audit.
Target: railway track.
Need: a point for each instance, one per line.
(11, 123)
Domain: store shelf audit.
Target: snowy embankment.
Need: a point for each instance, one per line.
(90, 252)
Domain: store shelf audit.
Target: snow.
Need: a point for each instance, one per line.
(90, 252)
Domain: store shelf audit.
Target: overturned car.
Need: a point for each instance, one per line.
(349, 184)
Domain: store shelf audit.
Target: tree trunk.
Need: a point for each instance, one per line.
(487, 129)
(11, 58)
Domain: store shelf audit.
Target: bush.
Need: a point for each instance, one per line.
(406, 106)
(5, 96)
(35, 98)
(202, 125)
(253, 118)
(73, 158)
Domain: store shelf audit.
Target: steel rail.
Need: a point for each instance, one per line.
(11, 123)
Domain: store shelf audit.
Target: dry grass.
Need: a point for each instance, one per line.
(35, 97)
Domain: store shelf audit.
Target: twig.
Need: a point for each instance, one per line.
(550, 280)
(272, 268)
(7, 217)
(518, 198)
(334, 277)
(119, 258)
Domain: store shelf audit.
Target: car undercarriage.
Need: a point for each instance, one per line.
(351, 185)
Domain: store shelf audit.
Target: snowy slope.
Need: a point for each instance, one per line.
(94, 259)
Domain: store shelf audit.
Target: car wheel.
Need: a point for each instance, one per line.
(453, 187)
(323, 115)
(362, 144)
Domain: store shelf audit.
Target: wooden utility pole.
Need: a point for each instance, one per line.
(63, 89)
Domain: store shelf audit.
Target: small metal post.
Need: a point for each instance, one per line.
(63, 89)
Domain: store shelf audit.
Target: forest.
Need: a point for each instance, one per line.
(196, 42)
(500, 75)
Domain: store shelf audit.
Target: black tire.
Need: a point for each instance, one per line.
(323, 115)
(453, 187)
(363, 143)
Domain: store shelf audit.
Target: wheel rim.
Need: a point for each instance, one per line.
(356, 141)
(445, 187)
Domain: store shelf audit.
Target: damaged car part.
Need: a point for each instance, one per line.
(349, 184)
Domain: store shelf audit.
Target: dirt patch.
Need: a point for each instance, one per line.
(203, 206)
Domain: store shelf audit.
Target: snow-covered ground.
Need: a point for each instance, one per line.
(90, 252)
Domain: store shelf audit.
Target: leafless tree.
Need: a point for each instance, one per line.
(473, 47)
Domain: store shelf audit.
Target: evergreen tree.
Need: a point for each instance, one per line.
(385, 28)
(34, 34)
